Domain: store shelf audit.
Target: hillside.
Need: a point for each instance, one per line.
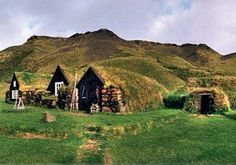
(146, 70)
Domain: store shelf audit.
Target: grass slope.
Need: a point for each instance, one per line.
(147, 67)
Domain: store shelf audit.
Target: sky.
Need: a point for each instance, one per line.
(212, 22)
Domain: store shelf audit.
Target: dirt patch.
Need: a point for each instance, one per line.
(32, 136)
(204, 116)
(90, 145)
(90, 125)
(90, 132)
(199, 116)
(80, 155)
(28, 135)
(107, 159)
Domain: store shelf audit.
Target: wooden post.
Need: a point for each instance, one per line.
(19, 104)
(74, 99)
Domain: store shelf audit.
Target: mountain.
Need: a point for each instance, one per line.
(146, 70)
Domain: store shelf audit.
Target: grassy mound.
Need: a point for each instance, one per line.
(227, 83)
(141, 92)
(31, 81)
(147, 67)
(193, 101)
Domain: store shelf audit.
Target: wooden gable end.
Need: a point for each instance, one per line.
(58, 76)
(89, 76)
(15, 85)
(90, 86)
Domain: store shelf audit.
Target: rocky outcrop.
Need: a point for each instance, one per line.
(48, 118)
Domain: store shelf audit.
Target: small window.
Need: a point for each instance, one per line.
(58, 85)
(83, 93)
(14, 83)
(14, 94)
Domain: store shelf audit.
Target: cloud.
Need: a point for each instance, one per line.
(210, 22)
(174, 21)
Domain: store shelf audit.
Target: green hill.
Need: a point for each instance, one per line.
(146, 70)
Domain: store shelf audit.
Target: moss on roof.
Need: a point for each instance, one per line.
(31, 81)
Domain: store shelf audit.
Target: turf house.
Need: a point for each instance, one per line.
(90, 86)
(14, 88)
(207, 101)
(58, 80)
(92, 94)
(29, 86)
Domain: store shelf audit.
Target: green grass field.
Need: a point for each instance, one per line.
(161, 136)
(201, 141)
